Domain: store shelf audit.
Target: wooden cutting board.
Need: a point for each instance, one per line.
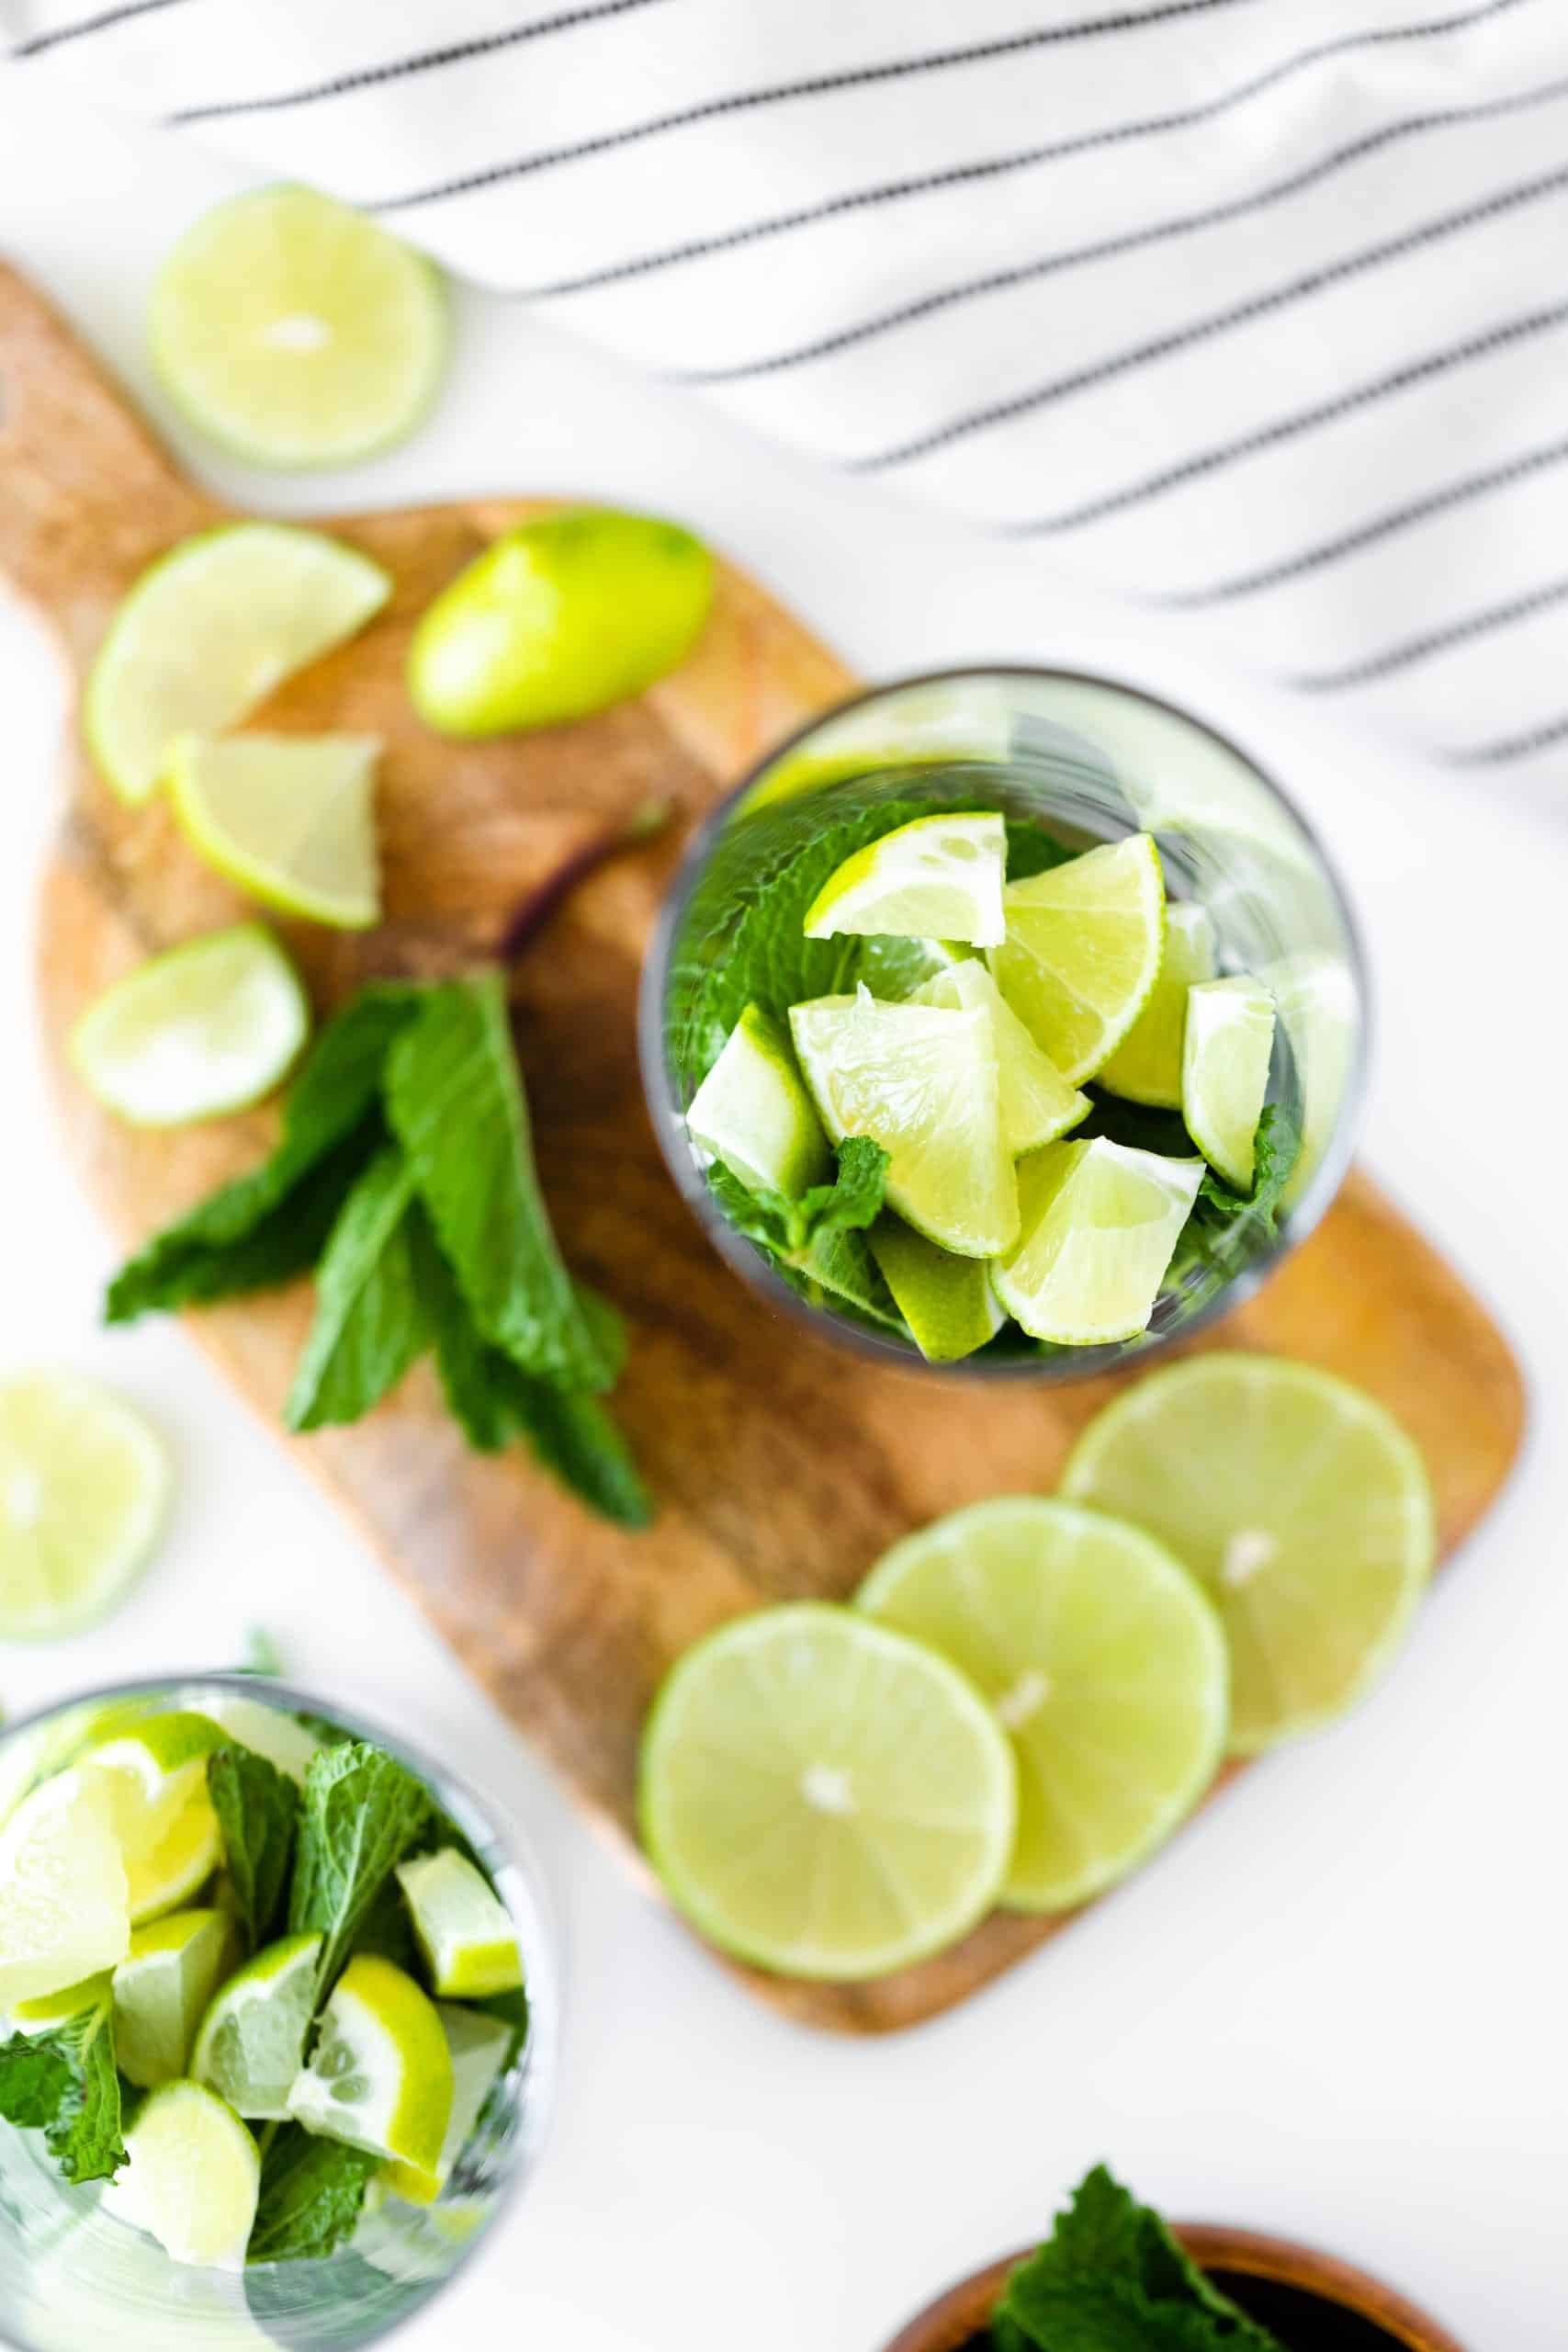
(782, 1467)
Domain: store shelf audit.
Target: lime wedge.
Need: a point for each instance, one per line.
(161, 1989)
(1037, 1103)
(178, 1866)
(294, 332)
(46, 2009)
(83, 1485)
(65, 1906)
(155, 1777)
(200, 1030)
(923, 1083)
(1299, 1501)
(939, 877)
(823, 1797)
(461, 1925)
(947, 1301)
(1082, 952)
(380, 2075)
(287, 818)
(752, 1111)
(478, 2047)
(1146, 1064)
(192, 2178)
(266, 1731)
(1225, 1072)
(210, 630)
(1102, 1657)
(1098, 1225)
(250, 2044)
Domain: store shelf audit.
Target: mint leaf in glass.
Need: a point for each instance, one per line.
(64, 2082)
(311, 2193)
(258, 1812)
(363, 1810)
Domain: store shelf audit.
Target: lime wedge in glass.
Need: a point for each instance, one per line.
(1225, 1072)
(83, 1486)
(289, 818)
(939, 877)
(210, 630)
(197, 1031)
(1146, 1064)
(64, 1903)
(752, 1111)
(1082, 952)
(463, 1928)
(947, 1301)
(46, 2009)
(479, 2047)
(192, 2178)
(266, 1731)
(1299, 1501)
(1037, 1103)
(178, 1866)
(250, 2044)
(1103, 1659)
(155, 1777)
(160, 1988)
(1099, 1223)
(293, 332)
(824, 1797)
(380, 2075)
(923, 1083)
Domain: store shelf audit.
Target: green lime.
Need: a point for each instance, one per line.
(479, 2047)
(192, 2178)
(155, 1777)
(169, 1873)
(160, 1988)
(200, 1030)
(823, 1797)
(752, 1111)
(289, 818)
(464, 1930)
(46, 2009)
(938, 877)
(1299, 1501)
(1146, 1064)
(1082, 952)
(380, 2075)
(64, 1904)
(250, 2044)
(1103, 1659)
(83, 1486)
(266, 1731)
(209, 631)
(1037, 1103)
(1225, 1072)
(894, 969)
(947, 1301)
(293, 332)
(1099, 1224)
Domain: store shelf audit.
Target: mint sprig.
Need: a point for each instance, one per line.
(362, 1813)
(258, 1812)
(311, 2194)
(64, 2082)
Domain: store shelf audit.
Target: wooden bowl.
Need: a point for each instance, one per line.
(949, 2323)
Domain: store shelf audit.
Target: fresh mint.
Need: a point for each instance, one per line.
(363, 1811)
(1276, 1151)
(312, 2191)
(816, 1244)
(63, 2083)
(258, 1812)
(368, 1328)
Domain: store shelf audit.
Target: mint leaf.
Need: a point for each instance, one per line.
(832, 1267)
(363, 1810)
(368, 1328)
(851, 1203)
(258, 1812)
(463, 1358)
(64, 2082)
(35, 2078)
(1275, 1153)
(311, 2193)
(1032, 849)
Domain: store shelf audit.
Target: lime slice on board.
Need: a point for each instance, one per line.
(210, 630)
(192, 2178)
(293, 332)
(380, 2075)
(1299, 1501)
(947, 1301)
(463, 1929)
(266, 1731)
(478, 2047)
(939, 877)
(824, 1797)
(1146, 1064)
(752, 1111)
(1037, 1103)
(1225, 1072)
(1103, 1659)
(922, 1082)
(64, 1904)
(1082, 952)
(200, 1030)
(1099, 1223)
(289, 818)
(83, 1486)
(160, 1988)
(250, 2044)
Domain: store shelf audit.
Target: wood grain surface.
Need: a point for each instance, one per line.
(781, 1465)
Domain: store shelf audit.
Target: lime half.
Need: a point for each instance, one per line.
(200, 1030)
(1099, 1223)
(824, 1797)
(64, 1905)
(1037, 1103)
(464, 1930)
(752, 1111)
(290, 818)
(1146, 1064)
(83, 1485)
(1224, 1073)
(1102, 1657)
(380, 2075)
(947, 1301)
(1299, 1501)
(160, 1988)
(192, 2179)
(251, 2043)
(1082, 953)
(939, 877)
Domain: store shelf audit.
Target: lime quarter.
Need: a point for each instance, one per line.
(1146, 1064)
(200, 1030)
(64, 1902)
(1099, 1224)
(1037, 1103)
(938, 877)
(752, 1111)
(160, 1988)
(461, 1925)
(289, 818)
(1224, 1073)
(380, 2075)
(250, 2045)
(947, 1301)
(192, 2179)
(84, 1489)
(1082, 952)
(480, 2046)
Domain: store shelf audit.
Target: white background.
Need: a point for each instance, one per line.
(1337, 2007)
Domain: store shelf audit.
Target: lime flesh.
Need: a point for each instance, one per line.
(160, 1988)
(1224, 1073)
(462, 1927)
(752, 1111)
(192, 2178)
(478, 2047)
(1082, 952)
(380, 2075)
(64, 1902)
(938, 877)
(288, 819)
(250, 2045)
(84, 1488)
(1037, 1103)
(1146, 1064)
(1099, 1224)
(197, 1031)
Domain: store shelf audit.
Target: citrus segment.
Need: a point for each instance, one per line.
(193, 2177)
(1099, 1223)
(161, 1989)
(288, 819)
(1037, 1103)
(1082, 952)
(1146, 1064)
(463, 1929)
(250, 2045)
(1224, 1073)
(479, 2046)
(947, 1301)
(938, 877)
(752, 1111)
(64, 1904)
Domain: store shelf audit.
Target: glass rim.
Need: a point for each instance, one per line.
(669, 1126)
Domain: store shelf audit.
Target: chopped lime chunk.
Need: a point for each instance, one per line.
(1082, 952)
(46, 2009)
(752, 1111)
(462, 1927)
(1224, 1073)
(1037, 1103)
(266, 1731)
(380, 2075)
(939, 877)
(155, 1776)
(83, 1486)
(250, 2045)
(200, 1030)
(1098, 1225)
(947, 1301)
(192, 2178)
(160, 1988)
(480, 2046)
(1146, 1064)
(289, 818)
(64, 1904)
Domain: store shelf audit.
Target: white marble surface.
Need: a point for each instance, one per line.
(1336, 2007)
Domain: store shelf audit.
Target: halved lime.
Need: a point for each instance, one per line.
(1103, 1659)
(380, 2075)
(83, 1486)
(250, 2044)
(1099, 1223)
(294, 332)
(1146, 1064)
(1037, 1103)
(210, 630)
(923, 1083)
(947, 1301)
(192, 2178)
(752, 1111)
(479, 2046)
(160, 1988)
(290, 818)
(1225, 1072)
(1300, 1502)
(464, 1930)
(1082, 952)
(824, 1797)
(202, 1029)
(266, 1731)
(64, 1904)
(939, 877)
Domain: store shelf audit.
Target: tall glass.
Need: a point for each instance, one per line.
(71, 2275)
(1090, 761)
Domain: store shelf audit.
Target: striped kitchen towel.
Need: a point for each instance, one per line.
(1252, 307)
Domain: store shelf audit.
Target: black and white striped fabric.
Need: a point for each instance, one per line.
(1256, 308)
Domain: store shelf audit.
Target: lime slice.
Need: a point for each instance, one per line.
(161, 1989)
(1225, 1072)
(478, 2047)
(1146, 1064)
(1082, 953)
(84, 1483)
(265, 1731)
(923, 1083)
(752, 1111)
(947, 1301)
(210, 630)
(193, 2177)
(251, 2043)
(380, 2075)
(200, 1030)
(939, 877)
(294, 332)
(823, 1797)
(287, 818)
(65, 1906)
(1037, 1103)
(1103, 1660)
(1099, 1223)
(461, 1925)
